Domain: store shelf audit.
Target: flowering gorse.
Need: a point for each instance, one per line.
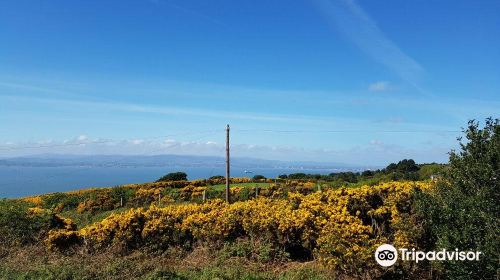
(340, 227)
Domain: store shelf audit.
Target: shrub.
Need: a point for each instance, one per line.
(20, 224)
(123, 194)
(340, 227)
(62, 239)
(174, 176)
(464, 211)
(98, 201)
(259, 178)
(60, 201)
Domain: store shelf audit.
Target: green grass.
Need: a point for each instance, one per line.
(240, 260)
(246, 185)
(57, 272)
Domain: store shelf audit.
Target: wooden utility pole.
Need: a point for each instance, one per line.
(227, 165)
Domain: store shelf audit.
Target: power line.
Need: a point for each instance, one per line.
(348, 131)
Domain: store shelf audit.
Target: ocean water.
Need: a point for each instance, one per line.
(19, 181)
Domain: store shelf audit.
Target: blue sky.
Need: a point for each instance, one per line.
(363, 82)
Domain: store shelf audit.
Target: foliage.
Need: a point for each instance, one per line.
(61, 239)
(405, 169)
(340, 228)
(335, 220)
(259, 178)
(432, 170)
(21, 224)
(405, 165)
(60, 201)
(464, 211)
(174, 176)
(255, 250)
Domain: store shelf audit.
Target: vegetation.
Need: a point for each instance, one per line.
(295, 228)
(21, 224)
(298, 226)
(464, 211)
(405, 169)
(175, 176)
(258, 178)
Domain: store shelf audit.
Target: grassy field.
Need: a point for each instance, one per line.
(203, 263)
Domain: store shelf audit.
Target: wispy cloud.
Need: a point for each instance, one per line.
(356, 24)
(166, 110)
(379, 86)
(90, 100)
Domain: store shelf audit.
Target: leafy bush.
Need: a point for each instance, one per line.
(464, 211)
(20, 224)
(259, 178)
(174, 176)
(120, 193)
(341, 227)
(60, 201)
(62, 239)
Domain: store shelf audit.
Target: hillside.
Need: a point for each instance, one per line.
(288, 226)
(297, 226)
(186, 227)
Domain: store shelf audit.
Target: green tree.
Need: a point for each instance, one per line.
(297, 176)
(258, 177)
(407, 165)
(174, 176)
(367, 173)
(464, 212)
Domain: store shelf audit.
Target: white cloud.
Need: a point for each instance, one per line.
(82, 138)
(373, 153)
(379, 86)
(137, 141)
(376, 143)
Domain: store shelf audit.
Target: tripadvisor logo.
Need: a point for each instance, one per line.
(387, 255)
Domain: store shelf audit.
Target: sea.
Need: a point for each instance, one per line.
(21, 181)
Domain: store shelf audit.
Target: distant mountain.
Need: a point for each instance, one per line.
(56, 160)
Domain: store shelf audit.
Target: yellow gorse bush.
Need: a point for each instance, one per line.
(35, 200)
(340, 227)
